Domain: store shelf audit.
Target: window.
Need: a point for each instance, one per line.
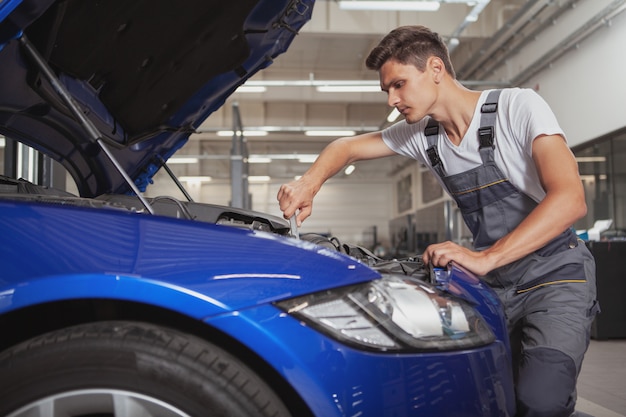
(602, 166)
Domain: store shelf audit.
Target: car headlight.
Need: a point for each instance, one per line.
(394, 313)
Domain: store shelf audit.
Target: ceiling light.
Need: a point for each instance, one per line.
(251, 89)
(349, 169)
(591, 178)
(307, 159)
(259, 160)
(247, 133)
(349, 89)
(2, 142)
(259, 178)
(420, 6)
(393, 116)
(591, 159)
(182, 160)
(196, 179)
(310, 82)
(330, 133)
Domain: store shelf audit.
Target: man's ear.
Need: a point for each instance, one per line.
(437, 67)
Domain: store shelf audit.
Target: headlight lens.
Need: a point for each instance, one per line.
(394, 313)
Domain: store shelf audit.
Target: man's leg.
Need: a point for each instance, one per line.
(554, 335)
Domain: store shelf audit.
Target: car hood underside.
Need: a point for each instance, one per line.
(145, 73)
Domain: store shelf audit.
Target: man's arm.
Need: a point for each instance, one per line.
(563, 205)
(299, 194)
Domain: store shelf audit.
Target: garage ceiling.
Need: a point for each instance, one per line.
(508, 43)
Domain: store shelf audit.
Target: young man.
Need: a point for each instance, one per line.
(505, 161)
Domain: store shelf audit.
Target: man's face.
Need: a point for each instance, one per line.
(408, 89)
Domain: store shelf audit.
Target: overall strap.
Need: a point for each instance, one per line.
(431, 131)
(486, 136)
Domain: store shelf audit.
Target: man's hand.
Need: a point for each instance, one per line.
(441, 254)
(299, 194)
(294, 196)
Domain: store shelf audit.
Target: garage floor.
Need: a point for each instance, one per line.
(602, 381)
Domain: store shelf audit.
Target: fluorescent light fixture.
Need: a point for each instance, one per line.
(2, 142)
(591, 178)
(591, 159)
(259, 178)
(251, 89)
(247, 133)
(310, 82)
(349, 169)
(182, 160)
(255, 133)
(393, 116)
(349, 89)
(259, 160)
(330, 133)
(419, 6)
(307, 159)
(196, 179)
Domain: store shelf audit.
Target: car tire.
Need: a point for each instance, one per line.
(110, 368)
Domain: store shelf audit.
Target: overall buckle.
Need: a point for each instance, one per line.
(485, 136)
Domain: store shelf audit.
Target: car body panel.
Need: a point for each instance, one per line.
(228, 277)
(61, 253)
(6, 7)
(337, 380)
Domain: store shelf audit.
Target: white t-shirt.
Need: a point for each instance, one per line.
(522, 116)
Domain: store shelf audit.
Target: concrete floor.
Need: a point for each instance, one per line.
(602, 380)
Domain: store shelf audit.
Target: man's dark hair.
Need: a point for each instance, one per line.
(410, 45)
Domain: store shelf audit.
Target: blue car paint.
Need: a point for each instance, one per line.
(228, 278)
(269, 30)
(58, 252)
(6, 7)
(336, 380)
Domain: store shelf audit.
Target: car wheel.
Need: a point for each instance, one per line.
(115, 369)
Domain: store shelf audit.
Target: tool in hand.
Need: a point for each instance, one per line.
(294, 226)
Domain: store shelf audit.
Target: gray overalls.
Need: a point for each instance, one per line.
(548, 296)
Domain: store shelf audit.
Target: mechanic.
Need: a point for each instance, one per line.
(502, 156)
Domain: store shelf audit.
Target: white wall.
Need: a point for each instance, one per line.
(586, 87)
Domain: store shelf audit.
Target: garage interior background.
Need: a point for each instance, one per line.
(569, 51)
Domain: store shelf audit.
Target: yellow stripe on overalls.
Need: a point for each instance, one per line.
(481, 187)
(563, 281)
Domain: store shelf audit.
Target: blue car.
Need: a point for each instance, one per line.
(114, 304)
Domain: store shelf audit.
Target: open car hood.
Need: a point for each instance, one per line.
(144, 73)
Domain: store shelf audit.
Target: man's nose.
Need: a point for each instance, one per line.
(392, 99)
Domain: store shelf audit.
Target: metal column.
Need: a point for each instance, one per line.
(239, 164)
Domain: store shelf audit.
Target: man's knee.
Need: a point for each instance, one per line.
(546, 384)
